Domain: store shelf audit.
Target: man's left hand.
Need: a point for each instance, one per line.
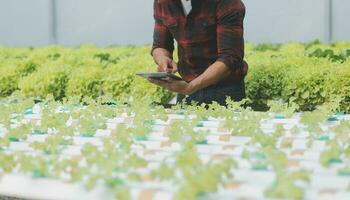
(181, 87)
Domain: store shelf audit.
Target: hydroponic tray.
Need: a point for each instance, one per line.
(253, 171)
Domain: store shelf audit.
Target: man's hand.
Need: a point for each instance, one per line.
(181, 87)
(165, 64)
(164, 61)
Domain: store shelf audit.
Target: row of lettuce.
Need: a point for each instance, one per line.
(305, 74)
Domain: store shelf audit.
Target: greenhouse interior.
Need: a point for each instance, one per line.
(174, 100)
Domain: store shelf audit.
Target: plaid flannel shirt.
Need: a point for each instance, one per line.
(213, 31)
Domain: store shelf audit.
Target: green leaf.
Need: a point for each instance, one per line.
(305, 95)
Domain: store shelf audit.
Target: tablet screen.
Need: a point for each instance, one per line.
(159, 75)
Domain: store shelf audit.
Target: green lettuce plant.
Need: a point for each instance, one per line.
(305, 74)
(8, 163)
(284, 185)
(85, 82)
(49, 80)
(19, 133)
(284, 188)
(331, 155)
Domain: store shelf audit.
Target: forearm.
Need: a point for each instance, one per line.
(215, 73)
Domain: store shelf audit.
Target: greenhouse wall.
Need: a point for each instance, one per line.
(340, 22)
(25, 23)
(104, 22)
(122, 22)
(278, 21)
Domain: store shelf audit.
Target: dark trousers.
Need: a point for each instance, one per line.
(215, 93)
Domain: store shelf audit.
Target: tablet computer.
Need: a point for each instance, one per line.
(164, 76)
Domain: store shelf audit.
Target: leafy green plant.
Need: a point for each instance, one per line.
(329, 54)
(9, 81)
(331, 155)
(305, 74)
(35, 165)
(280, 108)
(5, 115)
(12, 72)
(105, 58)
(121, 158)
(51, 80)
(339, 86)
(306, 89)
(164, 172)
(51, 145)
(123, 137)
(313, 120)
(19, 133)
(7, 162)
(240, 126)
(89, 125)
(284, 185)
(85, 82)
(263, 84)
(183, 132)
(285, 188)
(206, 178)
(267, 47)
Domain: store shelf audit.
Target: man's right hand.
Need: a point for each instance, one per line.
(164, 62)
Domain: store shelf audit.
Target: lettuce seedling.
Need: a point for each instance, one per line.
(88, 125)
(204, 179)
(8, 162)
(344, 171)
(281, 109)
(122, 137)
(5, 116)
(331, 155)
(134, 161)
(164, 172)
(19, 133)
(51, 145)
(285, 189)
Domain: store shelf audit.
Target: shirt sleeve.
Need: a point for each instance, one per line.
(162, 38)
(230, 15)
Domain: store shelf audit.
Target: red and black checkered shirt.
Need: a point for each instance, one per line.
(212, 31)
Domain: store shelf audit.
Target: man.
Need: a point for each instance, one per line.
(209, 34)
